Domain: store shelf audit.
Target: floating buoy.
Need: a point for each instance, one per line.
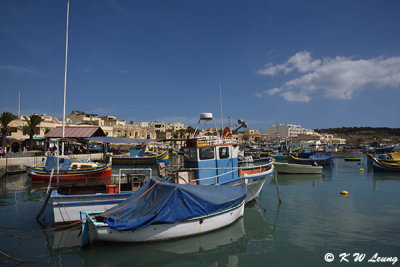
(344, 192)
(361, 170)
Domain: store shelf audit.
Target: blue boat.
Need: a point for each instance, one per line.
(321, 159)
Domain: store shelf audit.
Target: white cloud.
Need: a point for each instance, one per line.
(337, 78)
(19, 69)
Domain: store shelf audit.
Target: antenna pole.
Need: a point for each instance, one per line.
(222, 117)
(19, 104)
(65, 79)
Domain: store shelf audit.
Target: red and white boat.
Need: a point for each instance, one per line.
(68, 171)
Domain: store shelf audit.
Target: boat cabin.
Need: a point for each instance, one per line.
(211, 160)
(82, 166)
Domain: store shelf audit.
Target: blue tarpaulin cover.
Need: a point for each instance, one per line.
(51, 162)
(169, 203)
(321, 156)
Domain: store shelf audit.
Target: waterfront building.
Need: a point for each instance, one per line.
(81, 118)
(284, 130)
(16, 126)
(134, 131)
(160, 126)
(252, 136)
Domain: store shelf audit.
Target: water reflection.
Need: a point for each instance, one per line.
(287, 179)
(14, 182)
(221, 247)
(161, 253)
(386, 176)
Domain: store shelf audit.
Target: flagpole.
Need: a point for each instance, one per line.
(65, 80)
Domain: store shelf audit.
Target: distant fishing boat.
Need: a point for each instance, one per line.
(282, 167)
(139, 157)
(68, 171)
(161, 211)
(278, 155)
(321, 159)
(393, 157)
(380, 165)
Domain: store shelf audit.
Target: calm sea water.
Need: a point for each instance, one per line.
(313, 220)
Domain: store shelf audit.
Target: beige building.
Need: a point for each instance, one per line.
(176, 126)
(251, 135)
(48, 123)
(76, 118)
(134, 131)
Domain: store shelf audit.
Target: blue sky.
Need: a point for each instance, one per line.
(318, 63)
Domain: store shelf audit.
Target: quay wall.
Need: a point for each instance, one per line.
(15, 165)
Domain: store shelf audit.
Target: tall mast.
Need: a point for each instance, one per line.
(19, 104)
(65, 79)
(220, 98)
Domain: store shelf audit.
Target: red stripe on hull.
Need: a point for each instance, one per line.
(73, 176)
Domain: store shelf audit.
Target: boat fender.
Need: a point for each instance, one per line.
(344, 192)
(361, 170)
(227, 132)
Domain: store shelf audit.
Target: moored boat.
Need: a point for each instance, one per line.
(161, 211)
(212, 160)
(321, 159)
(68, 171)
(282, 167)
(140, 159)
(380, 165)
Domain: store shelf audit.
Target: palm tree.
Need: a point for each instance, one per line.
(33, 121)
(5, 119)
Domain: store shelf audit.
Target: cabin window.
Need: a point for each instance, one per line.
(206, 153)
(190, 155)
(74, 167)
(224, 152)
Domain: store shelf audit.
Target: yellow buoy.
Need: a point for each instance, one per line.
(361, 170)
(344, 192)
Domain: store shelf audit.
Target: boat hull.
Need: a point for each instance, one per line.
(323, 162)
(255, 181)
(297, 168)
(145, 160)
(381, 166)
(157, 232)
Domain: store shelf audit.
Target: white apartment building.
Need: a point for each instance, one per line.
(284, 130)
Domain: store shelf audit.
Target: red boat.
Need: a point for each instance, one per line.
(69, 171)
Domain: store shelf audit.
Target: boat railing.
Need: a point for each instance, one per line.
(214, 140)
(232, 170)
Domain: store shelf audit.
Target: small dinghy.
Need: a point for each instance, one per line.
(161, 211)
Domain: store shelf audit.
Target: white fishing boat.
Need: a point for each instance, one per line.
(214, 160)
(162, 211)
(282, 167)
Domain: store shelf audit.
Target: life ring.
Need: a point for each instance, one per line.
(227, 132)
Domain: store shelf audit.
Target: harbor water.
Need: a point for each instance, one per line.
(314, 226)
